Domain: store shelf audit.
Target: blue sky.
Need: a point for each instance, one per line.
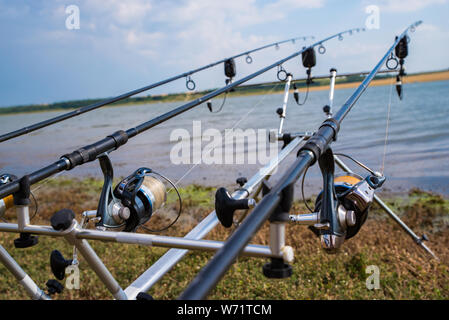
(124, 45)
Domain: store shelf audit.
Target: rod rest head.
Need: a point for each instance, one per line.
(225, 206)
(62, 219)
(58, 264)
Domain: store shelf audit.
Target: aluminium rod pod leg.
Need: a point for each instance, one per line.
(327, 109)
(279, 267)
(64, 221)
(22, 202)
(30, 286)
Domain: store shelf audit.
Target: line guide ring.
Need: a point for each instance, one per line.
(190, 84)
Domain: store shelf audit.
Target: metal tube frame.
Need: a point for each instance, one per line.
(331, 91)
(22, 277)
(284, 103)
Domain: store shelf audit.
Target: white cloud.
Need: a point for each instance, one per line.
(408, 5)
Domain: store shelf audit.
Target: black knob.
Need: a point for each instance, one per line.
(54, 286)
(58, 264)
(241, 181)
(62, 219)
(326, 109)
(279, 111)
(25, 240)
(225, 206)
(144, 296)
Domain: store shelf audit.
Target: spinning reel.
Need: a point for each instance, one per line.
(342, 207)
(134, 200)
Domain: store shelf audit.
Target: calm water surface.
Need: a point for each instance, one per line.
(417, 150)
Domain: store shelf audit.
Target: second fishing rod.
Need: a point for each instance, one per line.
(119, 138)
(229, 64)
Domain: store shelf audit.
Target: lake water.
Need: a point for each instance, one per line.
(417, 150)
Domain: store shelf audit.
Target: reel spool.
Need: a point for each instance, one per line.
(141, 195)
(134, 200)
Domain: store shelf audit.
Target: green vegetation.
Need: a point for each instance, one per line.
(405, 271)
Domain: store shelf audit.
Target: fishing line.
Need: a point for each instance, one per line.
(305, 98)
(233, 127)
(36, 206)
(387, 128)
(302, 189)
(209, 105)
(179, 211)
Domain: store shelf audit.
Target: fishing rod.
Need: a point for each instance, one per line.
(277, 201)
(230, 72)
(119, 138)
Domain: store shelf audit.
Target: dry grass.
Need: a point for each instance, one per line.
(405, 271)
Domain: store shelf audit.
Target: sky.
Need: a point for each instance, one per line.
(124, 45)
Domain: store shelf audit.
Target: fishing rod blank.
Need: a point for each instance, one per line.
(309, 154)
(190, 84)
(117, 139)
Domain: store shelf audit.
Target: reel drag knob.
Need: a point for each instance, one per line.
(225, 206)
(120, 212)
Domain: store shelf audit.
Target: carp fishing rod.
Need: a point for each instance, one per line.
(230, 72)
(277, 200)
(117, 139)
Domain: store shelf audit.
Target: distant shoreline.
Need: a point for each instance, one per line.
(259, 89)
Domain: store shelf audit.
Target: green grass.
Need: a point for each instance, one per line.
(405, 271)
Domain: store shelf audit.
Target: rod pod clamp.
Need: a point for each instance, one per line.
(22, 198)
(277, 268)
(225, 206)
